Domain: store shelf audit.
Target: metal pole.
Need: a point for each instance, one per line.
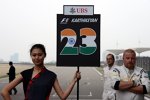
(78, 85)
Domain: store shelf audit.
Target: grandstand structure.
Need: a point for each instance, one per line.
(141, 61)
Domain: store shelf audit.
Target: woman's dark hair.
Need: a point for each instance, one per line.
(38, 46)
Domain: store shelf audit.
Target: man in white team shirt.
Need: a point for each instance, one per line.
(108, 92)
(130, 81)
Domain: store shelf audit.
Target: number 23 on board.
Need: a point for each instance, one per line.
(89, 45)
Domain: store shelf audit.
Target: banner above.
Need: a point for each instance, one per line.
(78, 10)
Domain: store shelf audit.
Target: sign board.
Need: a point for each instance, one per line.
(78, 40)
(78, 10)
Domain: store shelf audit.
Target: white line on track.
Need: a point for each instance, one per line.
(98, 72)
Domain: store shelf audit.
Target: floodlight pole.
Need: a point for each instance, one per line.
(78, 85)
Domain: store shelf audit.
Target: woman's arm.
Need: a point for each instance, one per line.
(9, 86)
(64, 94)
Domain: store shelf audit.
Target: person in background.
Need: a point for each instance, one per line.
(12, 74)
(38, 81)
(129, 81)
(108, 91)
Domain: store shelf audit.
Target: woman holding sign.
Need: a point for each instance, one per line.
(38, 81)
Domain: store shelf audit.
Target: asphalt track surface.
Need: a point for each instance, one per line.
(90, 85)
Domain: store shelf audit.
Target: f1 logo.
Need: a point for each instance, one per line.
(64, 21)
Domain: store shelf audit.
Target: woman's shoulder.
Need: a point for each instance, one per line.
(27, 70)
(51, 72)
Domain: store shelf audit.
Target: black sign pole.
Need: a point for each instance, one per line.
(78, 85)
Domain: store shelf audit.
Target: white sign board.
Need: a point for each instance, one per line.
(78, 10)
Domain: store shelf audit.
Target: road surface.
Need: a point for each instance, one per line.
(90, 85)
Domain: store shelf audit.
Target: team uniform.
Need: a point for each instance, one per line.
(108, 92)
(124, 74)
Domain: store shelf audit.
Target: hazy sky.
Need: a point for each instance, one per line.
(124, 24)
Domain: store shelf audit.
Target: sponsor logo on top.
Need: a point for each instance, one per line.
(78, 10)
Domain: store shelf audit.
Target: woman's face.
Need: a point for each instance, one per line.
(37, 56)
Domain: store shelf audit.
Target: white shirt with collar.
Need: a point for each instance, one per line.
(121, 73)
